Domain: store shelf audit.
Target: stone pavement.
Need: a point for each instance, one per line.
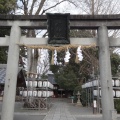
(61, 109)
(59, 112)
(22, 114)
(28, 117)
(64, 110)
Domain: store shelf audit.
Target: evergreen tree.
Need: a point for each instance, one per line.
(6, 7)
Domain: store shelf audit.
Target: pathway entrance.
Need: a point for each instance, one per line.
(62, 109)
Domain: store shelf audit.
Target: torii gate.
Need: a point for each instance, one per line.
(100, 22)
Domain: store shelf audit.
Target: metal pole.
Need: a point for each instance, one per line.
(98, 96)
(11, 74)
(105, 75)
(88, 96)
(92, 91)
(85, 93)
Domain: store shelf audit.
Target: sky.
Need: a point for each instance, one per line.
(64, 7)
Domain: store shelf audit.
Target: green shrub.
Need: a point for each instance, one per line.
(117, 105)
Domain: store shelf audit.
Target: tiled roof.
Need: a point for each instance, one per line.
(3, 73)
(51, 79)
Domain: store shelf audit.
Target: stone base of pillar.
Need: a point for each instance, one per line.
(78, 103)
(113, 114)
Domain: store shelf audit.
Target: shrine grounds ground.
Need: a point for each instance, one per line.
(61, 109)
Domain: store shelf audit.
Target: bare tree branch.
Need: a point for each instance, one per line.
(25, 7)
(72, 2)
(45, 34)
(27, 2)
(52, 6)
(32, 6)
(40, 7)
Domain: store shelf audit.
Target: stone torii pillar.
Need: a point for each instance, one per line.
(11, 73)
(105, 75)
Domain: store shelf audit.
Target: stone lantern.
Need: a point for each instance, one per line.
(78, 99)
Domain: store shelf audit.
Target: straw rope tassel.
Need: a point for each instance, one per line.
(52, 59)
(65, 55)
(77, 59)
